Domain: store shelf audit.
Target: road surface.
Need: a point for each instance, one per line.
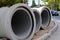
(56, 35)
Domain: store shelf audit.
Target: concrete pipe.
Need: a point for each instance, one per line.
(38, 18)
(17, 22)
(45, 16)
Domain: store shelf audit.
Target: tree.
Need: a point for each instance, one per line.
(10, 2)
(53, 4)
(21, 1)
(45, 0)
(6, 2)
(33, 4)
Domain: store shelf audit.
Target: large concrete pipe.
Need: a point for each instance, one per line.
(45, 16)
(38, 18)
(17, 22)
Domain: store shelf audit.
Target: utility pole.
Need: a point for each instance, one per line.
(38, 3)
(26, 2)
(23, 1)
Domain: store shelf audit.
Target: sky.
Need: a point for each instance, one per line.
(36, 1)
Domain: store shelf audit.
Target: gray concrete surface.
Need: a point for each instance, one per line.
(56, 35)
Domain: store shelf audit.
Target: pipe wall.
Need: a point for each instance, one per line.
(38, 18)
(17, 22)
(45, 15)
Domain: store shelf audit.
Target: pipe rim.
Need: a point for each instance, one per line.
(24, 30)
(39, 19)
(11, 9)
(49, 18)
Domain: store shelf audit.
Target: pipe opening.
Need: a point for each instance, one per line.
(45, 18)
(21, 23)
(37, 16)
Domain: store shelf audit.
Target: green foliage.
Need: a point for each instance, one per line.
(51, 1)
(10, 2)
(33, 4)
(53, 4)
(17, 1)
(45, 0)
(6, 2)
(21, 1)
(59, 6)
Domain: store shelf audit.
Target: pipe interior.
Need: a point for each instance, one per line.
(45, 17)
(21, 23)
(37, 16)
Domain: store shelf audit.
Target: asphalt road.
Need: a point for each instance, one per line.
(56, 35)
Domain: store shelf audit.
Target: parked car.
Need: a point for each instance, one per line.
(54, 13)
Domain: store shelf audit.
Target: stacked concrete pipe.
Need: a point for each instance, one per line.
(17, 22)
(45, 15)
(38, 18)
